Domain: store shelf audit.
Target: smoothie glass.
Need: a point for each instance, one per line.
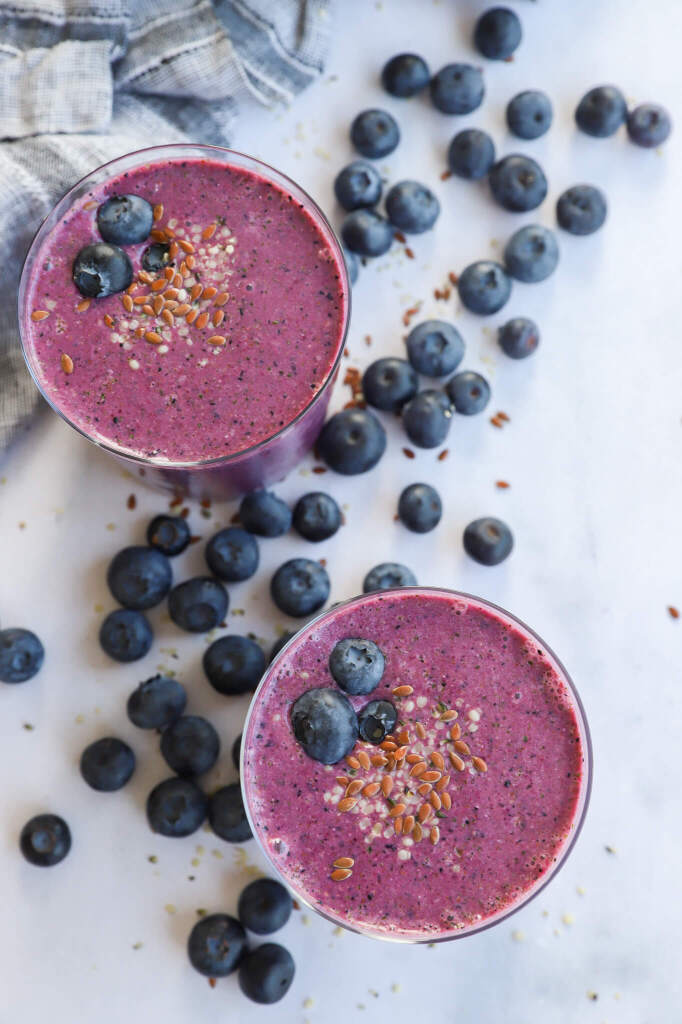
(254, 466)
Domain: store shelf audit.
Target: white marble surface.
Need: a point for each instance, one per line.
(592, 456)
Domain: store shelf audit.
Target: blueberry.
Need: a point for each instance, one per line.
(529, 114)
(21, 655)
(156, 257)
(232, 554)
(367, 233)
(100, 270)
(517, 183)
(427, 418)
(388, 383)
(266, 973)
(352, 265)
(497, 33)
(168, 534)
(264, 906)
(125, 635)
(581, 209)
(435, 348)
(420, 508)
(325, 724)
(405, 75)
(357, 185)
(412, 207)
(190, 746)
(227, 816)
(601, 111)
(356, 666)
(216, 945)
(300, 587)
(237, 751)
(531, 254)
(264, 514)
(374, 133)
(139, 577)
(234, 664)
(352, 441)
(107, 764)
(198, 605)
(376, 720)
(471, 154)
(176, 807)
(317, 516)
(649, 125)
(457, 89)
(45, 840)
(484, 287)
(156, 703)
(519, 337)
(469, 392)
(280, 643)
(388, 576)
(488, 540)
(125, 220)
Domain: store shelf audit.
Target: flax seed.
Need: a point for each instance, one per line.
(403, 737)
(158, 212)
(173, 251)
(424, 789)
(434, 835)
(210, 291)
(202, 321)
(169, 232)
(139, 332)
(169, 273)
(177, 281)
(85, 304)
(340, 874)
(363, 758)
(159, 235)
(378, 760)
(371, 789)
(414, 758)
(127, 303)
(479, 764)
(108, 320)
(461, 747)
(185, 246)
(195, 292)
(148, 309)
(353, 788)
(220, 299)
(183, 308)
(388, 745)
(352, 762)
(157, 304)
(159, 285)
(401, 752)
(456, 731)
(446, 801)
(420, 730)
(145, 277)
(39, 314)
(192, 315)
(448, 716)
(208, 232)
(408, 824)
(140, 300)
(342, 780)
(344, 862)
(398, 826)
(66, 363)
(346, 804)
(435, 801)
(218, 317)
(396, 810)
(443, 783)
(386, 785)
(424, 813)
(456, 761)
(402, 691)
(430, 776)
(390, 763)
(417, 833)
(437, 760)
(418, 769)
(153, 338)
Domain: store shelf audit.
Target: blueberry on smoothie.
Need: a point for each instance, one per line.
(519, 337)
(168, 534)
(352, 264)
(21, 655)
(176, 807)
(227, 816)
(237, 751)
(469, 392)
(357, 185)
(100, 270)
(234, 664)
(325, 724)
(649, 125)
(581, 210)
(264, 906)
(376, 720)
(357, 666)
(497, 33)
(216, 945)
(471, 154)
(388, 383)
(280, 643)
(317, 516)
(300, 587)
(405, 75)
(517, 183)
(232, 554)
(107, 764)
(457, 89)
(198, 605)
(435, 348)
(420, 508)
(412, 207)
(156, 257)
(484, 287)
(156, 703)
(190, 746)
(125, 635)
(427, 418)
(374, 133)
(125, 220)
(45, 840)
(139, 577)
(531, 254)
(367, 233)
(264, 514)
(388, 576)
(488, 540)
(601, 111)
(352, 441)
(266, 973)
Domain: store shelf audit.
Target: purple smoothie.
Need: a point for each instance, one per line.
(506, 777)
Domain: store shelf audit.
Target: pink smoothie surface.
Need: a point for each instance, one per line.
(267, 266)
(503, 820)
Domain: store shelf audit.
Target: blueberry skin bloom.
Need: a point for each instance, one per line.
(232, 554)
(484, 287)
(264, 906)
(325, 724)
(427, 418)
(352, 441)
(529, 114)
(168, 534)
(264, 514)
(519, 337)
(156, 703)
(412, 207)
(234, 664)
(581, 210)
(435, 348)
(356, 666)
(357, 185)
(21, 655)
(198, 605)
(176, 808)
(420, 508)
(374, 133)
(107, 764)
(388, 576)
(216, 945)
(601, 111)
(100, 270)
(649, 125)
(488, 541)
(316, 516)
(190, 746)
(517, 183)
(388, 383)
(139, 577)
(497, 33)
(227, 816)
(266, 973)
(125, 635)
(125, 220)
(45, 840)
(531, 254)
(405, 75)
(457, 89)
(300, 587)
(471, 154)
(367, 233)
(469, 392)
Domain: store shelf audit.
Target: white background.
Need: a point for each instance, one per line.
(592, 454)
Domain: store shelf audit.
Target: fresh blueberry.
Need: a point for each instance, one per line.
(357, 185)
(356, 666)
(457, 89)
(376, 720)
(469, 392)
(352, 265)
(300, 587)
(176, 807)
(471, 154)
(405, 75)
(139, 577)
(156, 703)
(264, 514)
(412, 207)
(427, 418)
(107, 764)
(45, 840)
(519, 337)
(280, 643)
(580, 210)
(125, 635)
(388, 576)
(529, 114)
(649, 125)
(227, 816)
(100, 270)
(216, 945)
(317, 516)
(156, 257)
(237, 751)
(497, 33)
(374, 133)
(517, 183)
(488, 540)
(234, 664)
(266, 973)
(435, 348)
(232, 554)
(21, 655)
(352, 441)
(264, 906)
(190, 746)
(367, 233)
(198, 605)
(420, 508)
(325, 724)
(388, 383)
(125, 220)
(531, 254)
(168, 534)
(484, 287)
(601, 111)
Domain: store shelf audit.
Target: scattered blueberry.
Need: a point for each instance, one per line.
(352, 441)
(356, 665)
(469, 392)
(352, 265)
(237, 751)
(376, 720)
(325, 724)
(100, 270)
(264, 514)
(266, 973)
(125, 635)
(601, 111)
(45, 840)
(176, 807)
(427, 418)
(317, 516)
(412, 207)
(497, 33)
(405, 75)
(125, 220)
(529, 114)
(234, 664)
(471, 154)
(435, 348)
(517, 183)
(420, 508)
(139, 577)
(232, 554)
(227, 816)
(531, 254)
(216, 945)
(580, 210)
(519, 337)
(264, 906)
(280, 643)
(374, 133)
(21, 655)
(388, 576)
(156, 257)
(388, 383)
(300, 587)
(156, 703)
(457, 89)
(168, 534)
(357, 185)
(649, 125)
(488, 540)
(367, 233)
(190, 746)
(198, 605)
(484, 287)
(107, 764)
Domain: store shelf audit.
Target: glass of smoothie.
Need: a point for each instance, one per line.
(185, 308)
(461, 787)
